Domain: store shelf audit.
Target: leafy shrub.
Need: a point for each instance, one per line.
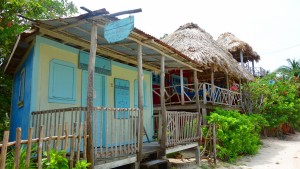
(57, 160)
(276, 98)
(11, 156)
(237, 134)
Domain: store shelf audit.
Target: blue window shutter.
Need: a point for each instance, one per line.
(62, 82)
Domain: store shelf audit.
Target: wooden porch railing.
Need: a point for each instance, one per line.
(258, 71)
(182, 128)
(207, 94)
(115, 129)
(220, 96)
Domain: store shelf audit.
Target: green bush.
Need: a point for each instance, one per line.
(279, 100)
(237, 134)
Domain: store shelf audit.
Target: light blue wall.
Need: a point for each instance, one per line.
(20, 116)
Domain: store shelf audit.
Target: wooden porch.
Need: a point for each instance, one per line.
(116, 132)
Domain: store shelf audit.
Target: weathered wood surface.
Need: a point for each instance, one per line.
(43, 142)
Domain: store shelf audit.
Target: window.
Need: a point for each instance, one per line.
(62, 82)
(21, 88)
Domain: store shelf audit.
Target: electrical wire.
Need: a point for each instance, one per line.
(280, 50)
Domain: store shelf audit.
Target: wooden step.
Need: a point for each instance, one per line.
(158, 163)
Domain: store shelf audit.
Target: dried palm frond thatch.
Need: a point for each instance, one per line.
(234, 45)
(200, 46)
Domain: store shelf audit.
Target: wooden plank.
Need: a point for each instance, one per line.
(173, 57)
(78, 142)
(198, 130)
(253, 69)
(141, 102)
(227, 81)
(181, 87)
(163, 107)
(49, 142)
(181, 147)
(40, 147)
(17, 148)
(118, 163)
(28, 151)
(4, 149)
(215, 143)
(204, 93)
(66, 137)
(58, 137)
(73, 144)
(242, 58)
(90, 94)
(85, 140)
(212, 80)
(102, 50)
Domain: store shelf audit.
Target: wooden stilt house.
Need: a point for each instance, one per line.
(242, 52)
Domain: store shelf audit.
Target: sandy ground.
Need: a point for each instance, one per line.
(274, 154)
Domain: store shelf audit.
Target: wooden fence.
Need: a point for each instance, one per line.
(115, 130)
(182, 128)
(73, 143)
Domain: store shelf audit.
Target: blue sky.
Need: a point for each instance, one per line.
(271, 27)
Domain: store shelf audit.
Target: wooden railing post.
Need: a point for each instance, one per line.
(4, 149)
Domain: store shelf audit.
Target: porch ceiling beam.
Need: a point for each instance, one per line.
(151, 41)
(86, 45)
(82, 20)
(162, 53)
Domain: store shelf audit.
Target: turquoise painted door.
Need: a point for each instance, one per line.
(99, 100)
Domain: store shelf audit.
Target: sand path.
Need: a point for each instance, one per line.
(274, 154)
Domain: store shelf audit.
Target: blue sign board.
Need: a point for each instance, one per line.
(118, 30)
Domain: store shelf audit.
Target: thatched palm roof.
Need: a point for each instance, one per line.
(235, 45)
(199, 45)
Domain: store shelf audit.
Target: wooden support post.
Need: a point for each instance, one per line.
(198, 132)
(141, 102)
(212, 80)
(181, 87)
(242, 58)
(90, 95)
(227, 81)
(163, 107)
(204, 94)
(215, 143)
(240, 85)
(204, 114)
(198, 155)
(253, 69)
